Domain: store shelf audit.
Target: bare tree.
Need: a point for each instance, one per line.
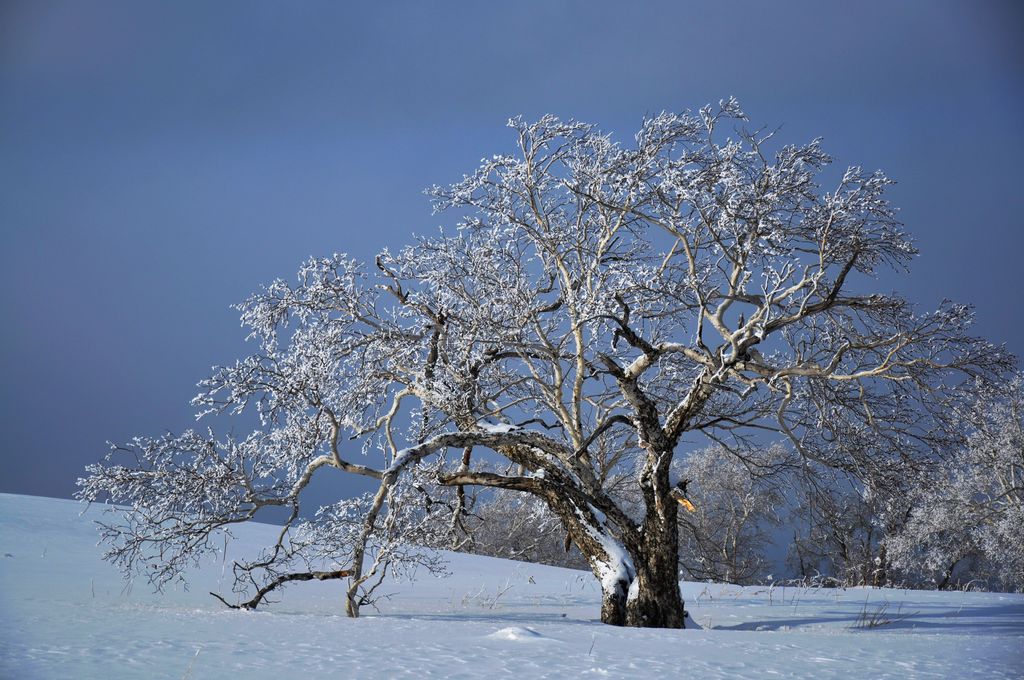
(595, 303)
(839, 525)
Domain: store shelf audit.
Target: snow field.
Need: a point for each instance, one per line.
(67, 614)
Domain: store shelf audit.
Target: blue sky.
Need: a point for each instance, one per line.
(159, 161)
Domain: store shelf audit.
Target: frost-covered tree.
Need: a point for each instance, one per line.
(966, 522)
(595, 303)
(737, 505)
(840, 521)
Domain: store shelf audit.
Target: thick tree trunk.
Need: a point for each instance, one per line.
(656, 602)
(653, 599)
(638, 569)
(613, 604)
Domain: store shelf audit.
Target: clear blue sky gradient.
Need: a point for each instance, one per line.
(159, 161)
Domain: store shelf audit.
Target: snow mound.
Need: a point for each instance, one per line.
(518, 634)
(691, 624)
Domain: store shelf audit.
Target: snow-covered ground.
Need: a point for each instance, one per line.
(66, 614)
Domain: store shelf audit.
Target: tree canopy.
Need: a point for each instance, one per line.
(595, 306)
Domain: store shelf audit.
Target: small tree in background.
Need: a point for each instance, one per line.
(521, 527)
(738, 504)
(966, 522)
(839, 526)
(595, 303)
